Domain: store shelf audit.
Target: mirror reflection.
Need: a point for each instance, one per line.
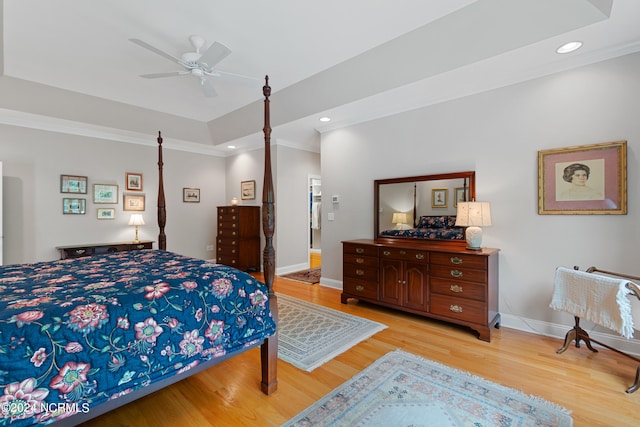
(422, 207)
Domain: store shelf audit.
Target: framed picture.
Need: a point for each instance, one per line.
(586, 179)
(133, 202)
(439, 197)
(105, 193)
(106, 213)
(191, 195)
(248, 190)
(461, 194)
(74, 206)
(73, 184)
(134, 181)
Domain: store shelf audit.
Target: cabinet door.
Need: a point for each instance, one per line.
(415, 286)
(391, 277)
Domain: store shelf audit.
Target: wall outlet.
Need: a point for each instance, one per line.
(209, 247)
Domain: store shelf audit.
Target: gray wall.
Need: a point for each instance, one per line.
(498, 134)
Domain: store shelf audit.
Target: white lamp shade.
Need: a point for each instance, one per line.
(136, 219)
(399, 218)
(473, 214)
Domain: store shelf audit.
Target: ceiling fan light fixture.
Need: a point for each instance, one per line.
(569, 47)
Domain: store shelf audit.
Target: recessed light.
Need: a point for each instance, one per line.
(325, 119)
(569, 47)
(231, 146)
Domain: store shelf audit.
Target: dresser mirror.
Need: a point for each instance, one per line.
(422, 207)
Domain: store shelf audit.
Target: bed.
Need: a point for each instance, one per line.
(431, 227)
(82, 336)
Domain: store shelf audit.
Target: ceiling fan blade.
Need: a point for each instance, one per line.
(216, 53)
(236, 78)
(155, 50)
(170, 74)
(207, 88)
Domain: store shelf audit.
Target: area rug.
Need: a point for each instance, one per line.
(402, 389)
(311, 275)
(310, 335)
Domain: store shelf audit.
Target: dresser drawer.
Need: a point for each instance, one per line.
(458, 260)
(404, 254)
(228, 224)
(354, 248)
(227, 241)
(361, 288)
(231, 260)
(458, 273)
(226, 232)
(227, 251)
(228, 210)
(459, 289)
(77, 252)
(459, 308)
(361, 272)
(365, 261)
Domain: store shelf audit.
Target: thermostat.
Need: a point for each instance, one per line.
(335, 199)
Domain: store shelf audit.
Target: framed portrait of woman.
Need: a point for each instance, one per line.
(587, 179)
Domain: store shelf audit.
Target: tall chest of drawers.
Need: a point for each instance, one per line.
(238, 238)
(431, 279)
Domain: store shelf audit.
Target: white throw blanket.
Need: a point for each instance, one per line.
(602, 299)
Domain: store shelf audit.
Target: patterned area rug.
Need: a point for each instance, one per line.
(310, 335)
(311, 275)
(401, 389)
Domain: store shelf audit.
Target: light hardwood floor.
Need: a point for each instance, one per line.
(590, 384)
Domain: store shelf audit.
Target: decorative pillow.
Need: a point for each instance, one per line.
(437, 221)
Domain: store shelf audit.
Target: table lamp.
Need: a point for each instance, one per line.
(136, 219)
(473, 215)
(400, 219)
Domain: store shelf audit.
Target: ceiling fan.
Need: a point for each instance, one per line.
(200, 65)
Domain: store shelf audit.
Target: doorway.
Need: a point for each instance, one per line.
(315, 221)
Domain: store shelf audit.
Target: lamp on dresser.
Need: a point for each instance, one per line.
(473, 215)
(136, 219)
(400, 220)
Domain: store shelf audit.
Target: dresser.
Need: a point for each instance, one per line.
(432, 279)
(238, 237)
(78, 251)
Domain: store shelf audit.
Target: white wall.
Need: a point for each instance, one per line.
(34, 225)
(292, 197)
(498, 134)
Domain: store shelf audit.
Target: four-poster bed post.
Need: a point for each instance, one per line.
(269, 349)
(162, 209)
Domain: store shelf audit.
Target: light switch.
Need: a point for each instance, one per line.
(331, 216)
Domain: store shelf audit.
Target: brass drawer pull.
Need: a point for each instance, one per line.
(79, 251)
(455, 288)
(386, 253)
(359, 250)
(419, 256)
(455, 260)
(140, 246)
(456, 273)
(359, 260)
(403, 252)
(359, 272)
(359, 288)
(455, 308)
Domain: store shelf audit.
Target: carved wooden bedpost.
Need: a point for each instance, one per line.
(162, 210)
(269, 349)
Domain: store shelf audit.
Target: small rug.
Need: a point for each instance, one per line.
(311, 275)
(310, 335)
(402, 389)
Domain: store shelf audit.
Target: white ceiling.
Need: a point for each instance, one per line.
(353, 60)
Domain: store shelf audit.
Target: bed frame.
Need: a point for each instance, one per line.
(269, 347)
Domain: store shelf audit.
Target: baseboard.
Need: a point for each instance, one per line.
(330, 283)
(559, 331)
(291, 268)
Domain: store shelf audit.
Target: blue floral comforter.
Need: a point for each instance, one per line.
(78, 332)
